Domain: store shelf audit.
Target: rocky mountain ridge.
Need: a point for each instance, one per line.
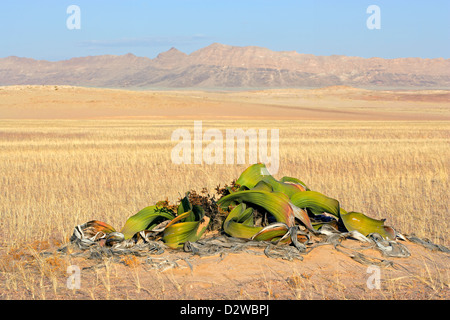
(224, 66)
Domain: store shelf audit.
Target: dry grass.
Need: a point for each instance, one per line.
(57, 174)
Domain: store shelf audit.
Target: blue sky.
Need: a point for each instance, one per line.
(37, 29)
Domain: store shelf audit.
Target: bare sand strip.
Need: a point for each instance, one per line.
(332, 103)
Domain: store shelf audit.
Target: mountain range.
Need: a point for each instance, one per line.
(224, 66)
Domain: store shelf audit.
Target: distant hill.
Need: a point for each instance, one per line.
(224, 66)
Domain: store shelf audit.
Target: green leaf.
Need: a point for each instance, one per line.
(237, 225)
(290, 189)
(145, 219)
(263, 186)
(272, 232)
(181, 217)
(240, 230)
(184, 205)
(316, 202)
(296, 182)
(239, 222)
(252, 175)
(276, 203)
(177, 234)
(189, 225)
(366, 225)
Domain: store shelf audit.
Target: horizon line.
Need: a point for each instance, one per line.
(227, 45)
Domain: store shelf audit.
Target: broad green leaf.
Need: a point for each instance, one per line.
(145, 219)
(316, 202)
(197, 212)
(177, 234)
(189, 225)
(240, 213)
(247, 217)
(276, 203)
(263, 186)
(252, 175)
(239, 222)
(181, 217)
(289, 189)
(365, 225)
(296, 182)
(240, 230)
(272, 232)
(235, 226)
(184, 205)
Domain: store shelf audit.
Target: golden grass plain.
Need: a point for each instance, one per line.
(56, 174)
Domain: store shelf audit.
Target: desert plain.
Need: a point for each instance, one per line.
(73, 154)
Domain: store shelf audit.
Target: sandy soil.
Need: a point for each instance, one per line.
(331, 103)
(324, 273)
